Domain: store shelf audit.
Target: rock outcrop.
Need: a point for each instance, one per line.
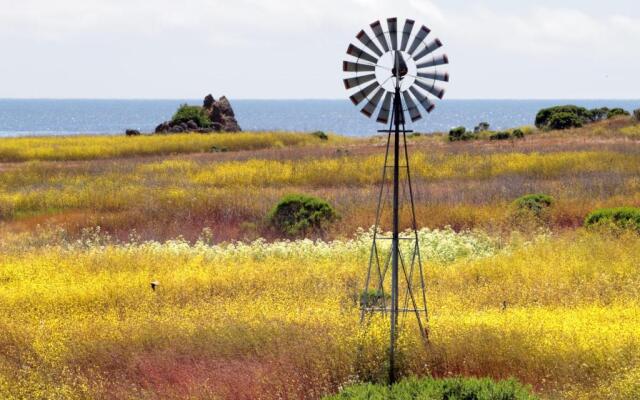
(219, 112)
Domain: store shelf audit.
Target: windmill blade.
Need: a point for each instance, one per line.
(364, 93)
(350, 83)
(371, 105)
(434, 62)
(383, 115)
(406, 33)
(392, 23)
(382, 39)
(433, 89)
(420, 36)
(366, 40)
(436, 76)
(348, 66)
(422, 99)
(430, 48)
(359, 53)
(414, 113)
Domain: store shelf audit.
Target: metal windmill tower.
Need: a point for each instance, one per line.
(400, 73)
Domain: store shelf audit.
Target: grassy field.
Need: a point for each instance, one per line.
(553, 305)
(462, 185)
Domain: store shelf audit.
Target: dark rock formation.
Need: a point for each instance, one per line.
(219, 112)
(132, 132)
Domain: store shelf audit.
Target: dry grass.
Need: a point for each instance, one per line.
(464, 185)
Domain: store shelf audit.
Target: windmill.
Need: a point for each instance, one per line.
(391, 72)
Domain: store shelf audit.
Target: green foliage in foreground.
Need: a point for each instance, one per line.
(621, 217)
(439, 389)
(298, 214)
(186, 113)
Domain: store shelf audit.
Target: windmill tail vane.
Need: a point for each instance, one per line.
(391, 73)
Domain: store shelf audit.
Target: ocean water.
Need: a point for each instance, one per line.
(64, 117)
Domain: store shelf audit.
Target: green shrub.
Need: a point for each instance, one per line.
(187, 113)
(531, 212)
(559, 115)
(617, 112)
(439, 389)
(536, 203)
(564, 120)
(518, 133)
(500, 136)
(298, 214)
(636, 114)
(481, 127)
(374, 298)
(460, 133)
(621, 217)
(598, 114)
(320, 135)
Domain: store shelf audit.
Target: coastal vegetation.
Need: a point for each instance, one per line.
(99, 147)
(517, 286)
(279, 320)
(437, 389)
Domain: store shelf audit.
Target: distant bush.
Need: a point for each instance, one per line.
(617, 112)
(564, 120)
(500, 136)
(186, 113)
(298, 214)
(636, 114)
(598, 114)
(439, 389)
(518, 133)
(481, 127)
(562, 117)
(460, 133)
(320, 135)
(622, 217)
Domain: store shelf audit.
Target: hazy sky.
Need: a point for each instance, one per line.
(294, 48)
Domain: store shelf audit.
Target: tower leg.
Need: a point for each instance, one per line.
(395, 245)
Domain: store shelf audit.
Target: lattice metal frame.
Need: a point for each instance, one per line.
(366, 77)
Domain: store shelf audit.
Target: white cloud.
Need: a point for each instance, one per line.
(249, 46)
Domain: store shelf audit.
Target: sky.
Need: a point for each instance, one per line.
(293, 49)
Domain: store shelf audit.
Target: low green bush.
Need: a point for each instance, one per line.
(374, 298)
(439, 389)
(460, 134)
(531, 211)
(186, 113)
(320, 135)
(518, 133)
(535, 203)
(481, 127)
(621, 217)
(636, 114)
(500, 136)
(617, 112)
(562, 117)
(564, 120)
(299, 214)
(598, 114)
